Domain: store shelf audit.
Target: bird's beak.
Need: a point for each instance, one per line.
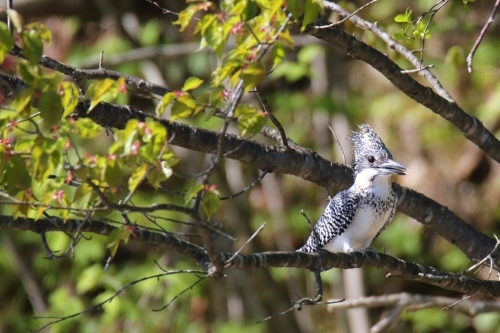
(394, 167)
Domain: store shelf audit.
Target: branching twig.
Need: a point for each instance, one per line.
(274, 120)
(182, 292)
(481, 36)
(232, 196)
(109, 299)
(345, 18)
(228, 261)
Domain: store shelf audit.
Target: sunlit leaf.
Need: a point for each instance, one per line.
(296, 7)
(192, 83)
(311, 10)
(191, 192)
(278, 53)
(32, 46)
(7, 41)
(137, 176)
(87, 128)
(51, 108)
(97, 90)
(70, 97)
(116, 237)
(16, 19)
(183, 107)
(210, 202)
(165, 100)
(253, 75)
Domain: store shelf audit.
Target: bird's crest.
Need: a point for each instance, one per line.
(367, 143)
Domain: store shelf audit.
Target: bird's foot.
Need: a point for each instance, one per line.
(367, 252)
(307, 301)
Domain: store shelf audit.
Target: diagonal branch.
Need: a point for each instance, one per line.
(321, 260)
(300, 162)
(469, 125)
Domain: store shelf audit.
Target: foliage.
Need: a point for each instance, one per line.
(54, 164)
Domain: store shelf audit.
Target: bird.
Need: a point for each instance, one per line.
(356, 216)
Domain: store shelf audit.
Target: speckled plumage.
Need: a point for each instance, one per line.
(356, 216)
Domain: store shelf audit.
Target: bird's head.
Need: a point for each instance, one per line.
(371, 153)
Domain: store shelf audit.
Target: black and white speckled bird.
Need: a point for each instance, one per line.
(356, 216)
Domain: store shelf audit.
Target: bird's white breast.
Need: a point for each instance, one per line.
(374, 210)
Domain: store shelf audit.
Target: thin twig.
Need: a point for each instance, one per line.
(417, 70)
(274, 120)
(340, 146)
(182, 292)
(345, 18)
(315, 234)
(481, 36)
(9, 21)
(246, 243)
(109, 299)
(232, 196)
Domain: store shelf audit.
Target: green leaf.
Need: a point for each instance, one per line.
(16, 175)
(401, 18)
(137, 176)
(185, 16)
(7, 41)
(210, 202)
(278, 53)
(311, 10)
(97, 90)
(121, 234)
(165, 100)
(253, 75)
(51, 108)
(33, 46)
(70, 97)
(41, 31)
(250, 121)
(183, 107)
(22, 100)
(192, 83)
(191, 192)
(399, 35)
(16, 19)
(113, 172)
(87, 128)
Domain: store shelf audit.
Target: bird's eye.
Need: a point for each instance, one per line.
(371, 159)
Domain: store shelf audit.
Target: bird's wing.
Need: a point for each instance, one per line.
(391, 215)
(335, 219)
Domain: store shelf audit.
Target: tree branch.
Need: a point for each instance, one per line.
(300, 162)
(469, 125)
(319, 261)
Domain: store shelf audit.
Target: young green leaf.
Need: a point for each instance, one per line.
(70, 97)
(116, 236)
(191, 192)
(192, 83)
(183, 107)
(253, 75)
(166, 100)
(51, 108)
(137, 176)
(210, 202)
(7, 41)
(97, 90)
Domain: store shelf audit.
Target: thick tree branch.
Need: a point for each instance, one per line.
(469, 125)
(297, 161)
(322, 260)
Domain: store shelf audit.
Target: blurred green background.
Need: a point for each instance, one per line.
(316, 86)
